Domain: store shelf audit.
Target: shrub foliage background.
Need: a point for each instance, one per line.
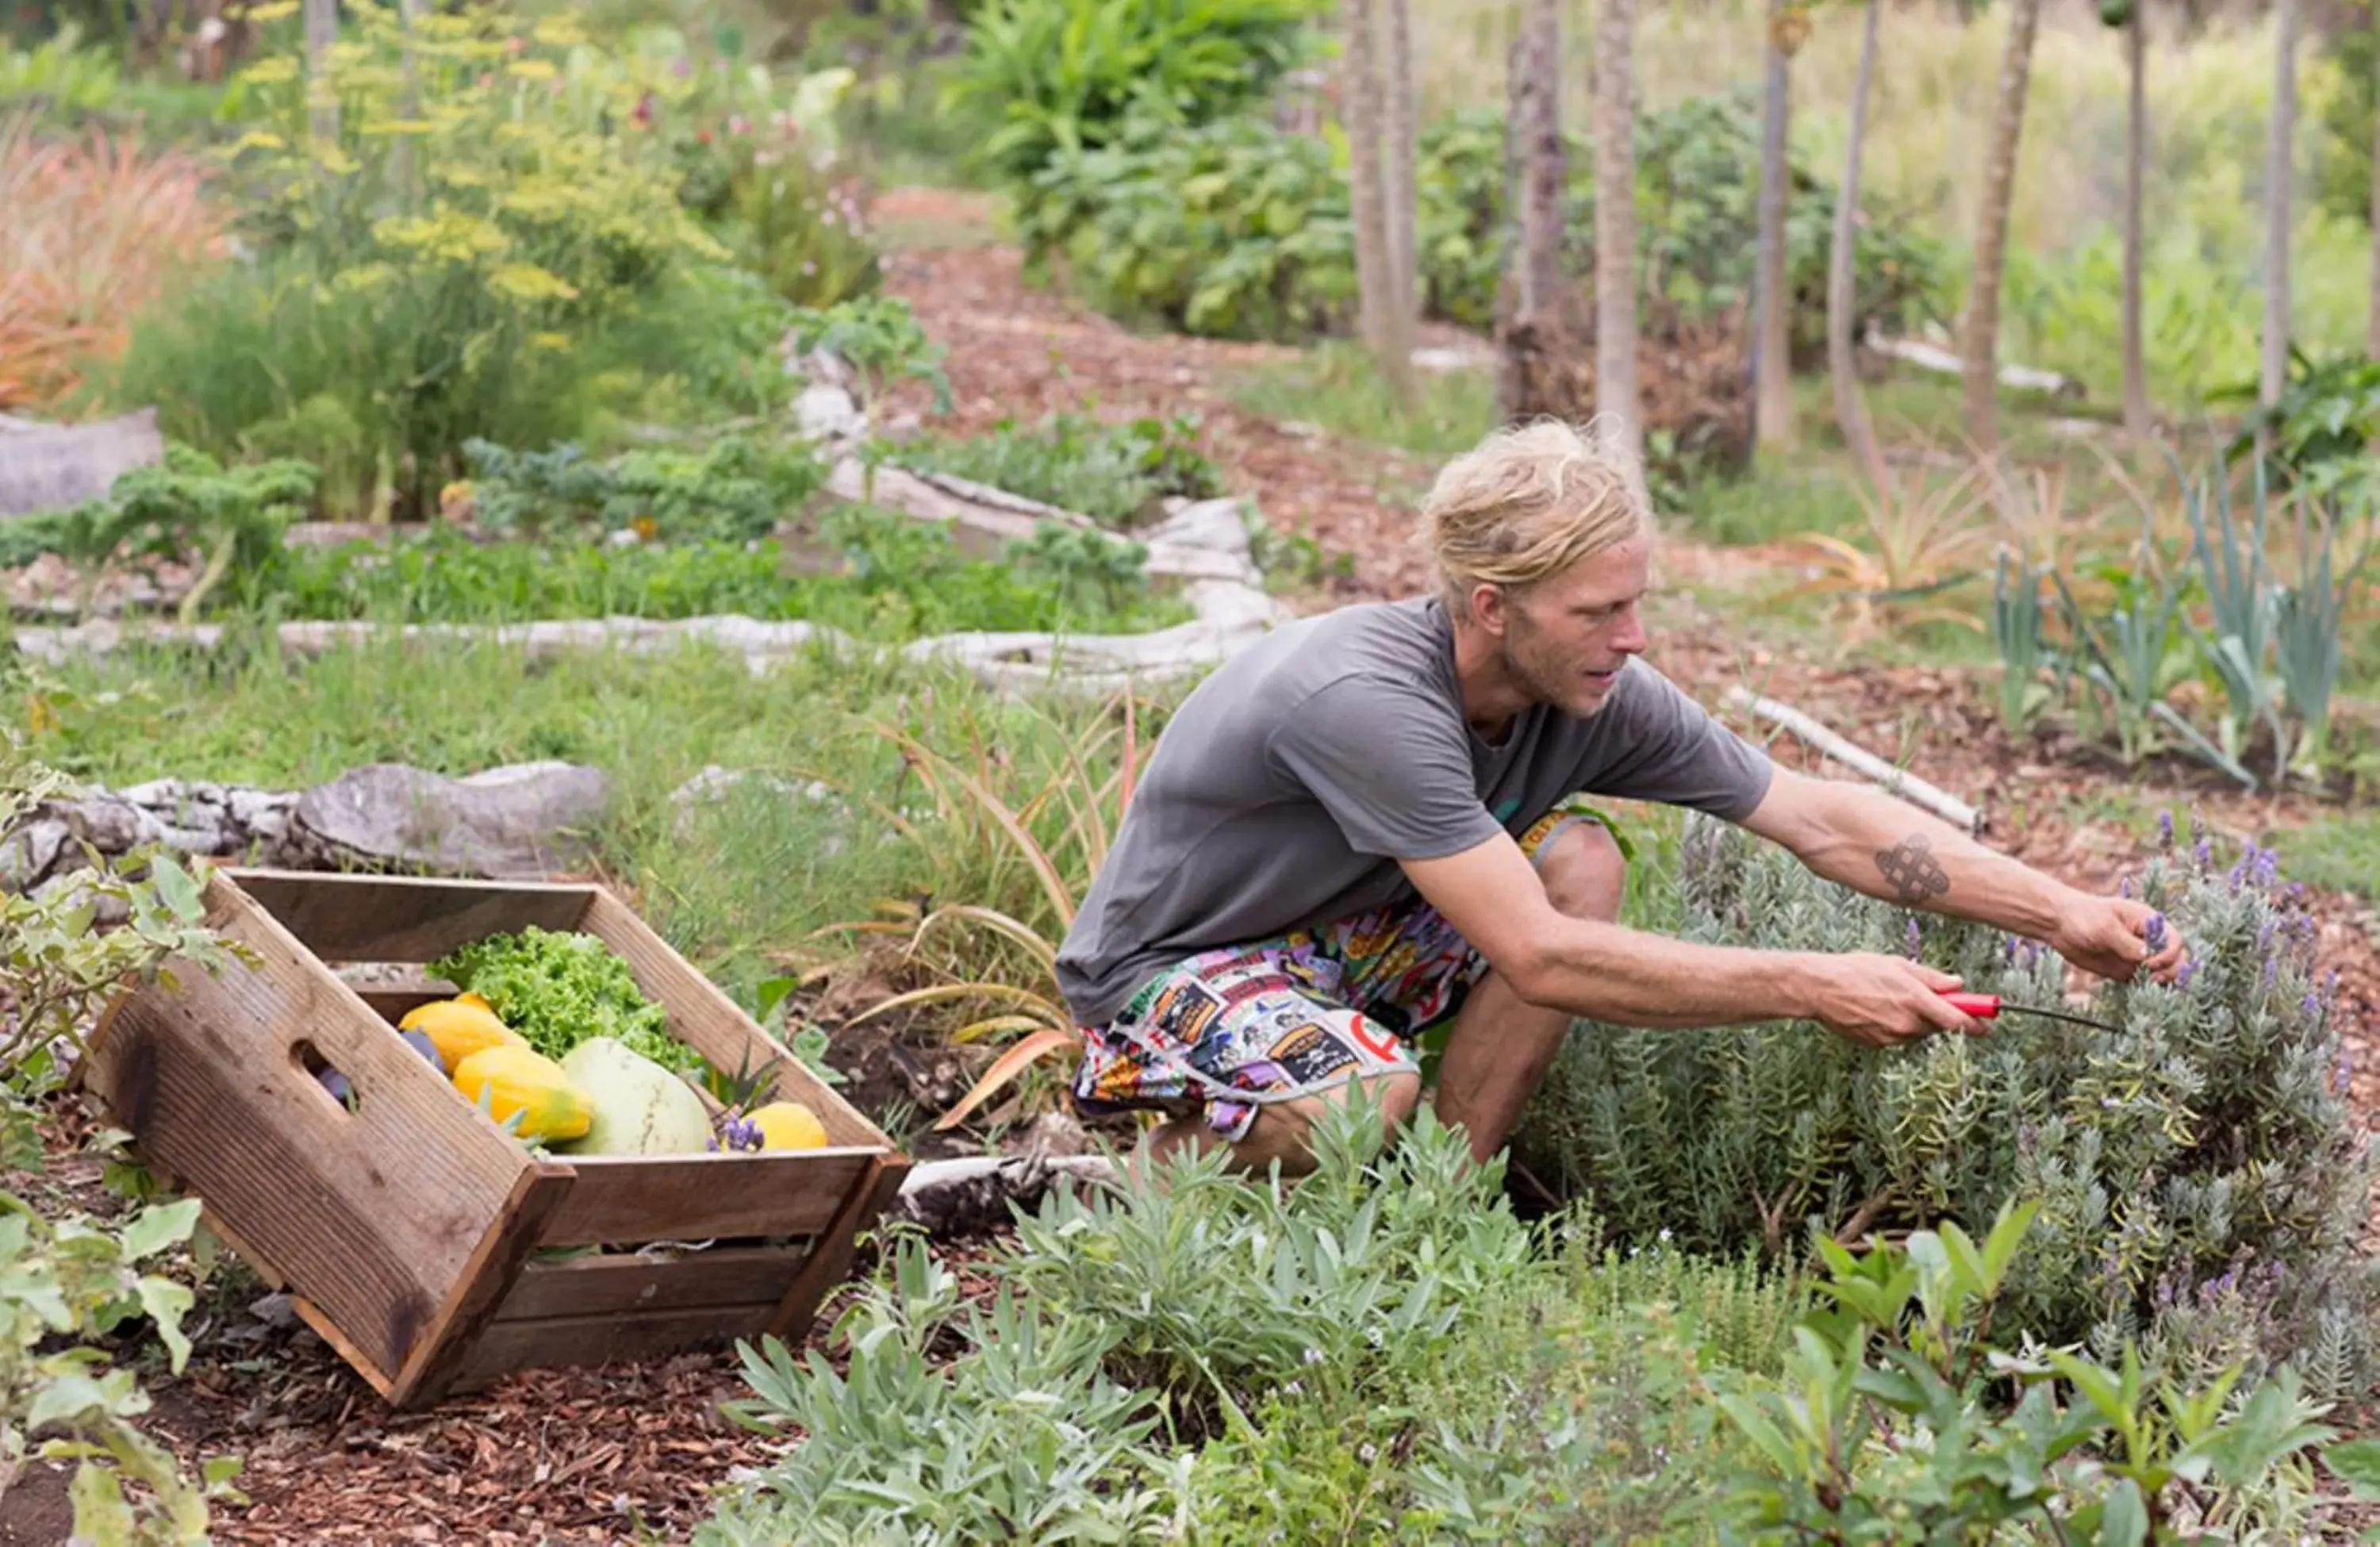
(2201, 1183)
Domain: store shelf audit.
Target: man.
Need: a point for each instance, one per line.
(1362, 826)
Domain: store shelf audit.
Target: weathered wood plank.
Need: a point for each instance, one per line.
(372, 1215)
(705, 1018)
(566, 1340)
(829, 1260)
(405, 918)
(632, 1200)
(594, 1285)
(487, 1279)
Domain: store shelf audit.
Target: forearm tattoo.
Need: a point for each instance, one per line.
(1915, 874)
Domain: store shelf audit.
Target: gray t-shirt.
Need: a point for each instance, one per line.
(1290, 783)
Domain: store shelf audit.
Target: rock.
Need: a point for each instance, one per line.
(52, 467)
(27, 858)
(1049, 1137)
(826, 412)
(522, 822)
(111, 824)
(108, 912)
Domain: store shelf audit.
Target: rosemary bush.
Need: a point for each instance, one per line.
(2201, 1184)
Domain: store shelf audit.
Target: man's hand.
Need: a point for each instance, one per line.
(1880, 1000)
(2114, 938)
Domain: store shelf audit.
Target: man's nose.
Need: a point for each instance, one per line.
(1629, 638)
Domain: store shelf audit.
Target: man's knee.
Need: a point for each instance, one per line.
(1284, 1130)
(1584, 872)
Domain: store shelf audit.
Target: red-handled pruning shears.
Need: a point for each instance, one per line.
(1987, 1006)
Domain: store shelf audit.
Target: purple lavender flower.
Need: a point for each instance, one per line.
(2266, 866)
(2204, 853)
(2124, 886)
(2264, 937)
(2164, 829)
(2182, 979)
(1916, 939)
(2154, 931)
(2265, 979)
(2311, 1004)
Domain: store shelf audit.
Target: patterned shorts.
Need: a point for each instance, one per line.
(1346, 1000)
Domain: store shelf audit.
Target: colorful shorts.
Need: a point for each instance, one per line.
(1343, 1001)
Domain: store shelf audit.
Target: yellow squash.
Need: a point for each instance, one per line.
(460, 1026)
(788, 1125)
(519, 1080)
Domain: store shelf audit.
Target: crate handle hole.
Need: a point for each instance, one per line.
(334, 1086)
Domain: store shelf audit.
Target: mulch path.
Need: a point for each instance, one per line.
(606, 1455)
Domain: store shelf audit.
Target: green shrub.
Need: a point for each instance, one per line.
(736, 489)
(1063, 75)
(2201, 1183)
(1113, 473)
(1241, 229)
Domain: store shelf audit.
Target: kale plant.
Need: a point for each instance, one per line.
(2200, 1179)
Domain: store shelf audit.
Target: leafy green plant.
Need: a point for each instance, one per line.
(2208, 1134)
(188, 501)
(1113, 473)
(1063, 75)
(736, 489)
(557, 988)
(878, 337)
(1902, 1417)
(2017, 615)
(69, 1283)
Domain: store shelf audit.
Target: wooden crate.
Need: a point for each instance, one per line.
(408, 1230)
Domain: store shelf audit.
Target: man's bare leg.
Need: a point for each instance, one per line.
(1280, 1131)
(1501, 1045)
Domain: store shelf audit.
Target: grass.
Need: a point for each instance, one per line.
(1334, 387)
(2340, 851)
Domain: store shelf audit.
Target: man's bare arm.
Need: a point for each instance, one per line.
(1611, 972)
(1873, 843)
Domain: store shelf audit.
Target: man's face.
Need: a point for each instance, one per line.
(1566, 639)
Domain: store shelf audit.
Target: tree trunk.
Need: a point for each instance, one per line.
(2138, 423)
(1403, 195)
(1367, 200)
(1857, 433)
(1981, 326)
(1616, 400)
(322, 26)
(1535, 92)
(2277, 203)
(1772, 323)
(2371, 326)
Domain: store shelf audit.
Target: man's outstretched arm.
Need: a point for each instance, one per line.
(1873, 842)
(1492, 894)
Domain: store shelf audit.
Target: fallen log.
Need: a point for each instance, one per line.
(952, 1199)
(1896, 780)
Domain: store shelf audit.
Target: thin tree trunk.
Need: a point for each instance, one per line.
(1857, 433)
(2138, 423)
(2371, 327)
(1366, 198)
(1772, 323)
(1403, 195)
(322, 26)
(1616, 399)
(1537, 109)
(2277, 202)
(1981, 326)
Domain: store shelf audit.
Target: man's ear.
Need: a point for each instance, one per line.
(1489, 609)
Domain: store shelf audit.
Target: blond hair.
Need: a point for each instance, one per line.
(1526, 503)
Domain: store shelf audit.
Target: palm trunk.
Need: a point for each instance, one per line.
(1616, 400)
(1399, 124)
(2371, 327)
(1857, 433)
(1536, 94)
(1366, 199)
(1981, 326)
(1772, 323)
(2281, 132)
(2137, 420)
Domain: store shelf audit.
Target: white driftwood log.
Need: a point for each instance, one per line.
(1898, 781)
(969, 1195)
(1929, 356)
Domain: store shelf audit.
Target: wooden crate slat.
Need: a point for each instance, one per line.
(564, 1341)
(592, 1286)
(370, 1214)
(631, 1199)
(703, 1017)
(408, 918)
(830, 1262)
(483, 1285)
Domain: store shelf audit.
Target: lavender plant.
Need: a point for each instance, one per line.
(2199, 1180)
